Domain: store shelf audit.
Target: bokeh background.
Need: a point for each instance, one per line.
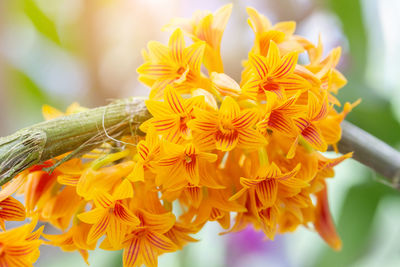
(57, 52)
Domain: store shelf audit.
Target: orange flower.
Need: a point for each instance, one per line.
(144, 244)
(73, 240)
(227, 128)
(266, 182)
(172, 64)
(19, 247)
(208, 27)
(11, 210)
(308, 125)
(170, 117)
(281, 33)
(180, 165)
(280, 114)
(274, 73)
(110, 215)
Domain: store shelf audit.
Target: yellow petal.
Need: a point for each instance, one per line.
(273, 59)
(177, 45)
(92, 216)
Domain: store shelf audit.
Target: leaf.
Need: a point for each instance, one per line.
(40, 21)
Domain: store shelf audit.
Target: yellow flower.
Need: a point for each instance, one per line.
(274, 73)
(228, 128)
(174, 63)
(308, 124)
(180, 165)
(110, 215)
(170, 117)
(73, 240)
(280, 114)
(208, 27)
(280, 33)
(144, 244)
(19, 247)
(266, 182)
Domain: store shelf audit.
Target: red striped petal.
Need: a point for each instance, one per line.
(273, 87)
(246, 119)
(273, 59)
(115, 232)
(174, 100)
(229, 109)
(148, 253)
(131, 253)
(103, 199)
(122, 213)
(278, 121)
(160, 242)
(226, 141)
(158, 51)
(250, 138)
(157, 70)
(313, 136)
(257, 62)
(98, 229)
(166, 123)
(177, 45)
(194, 56)
(294, 83)
(12, 210)
(288, 63)
(267, 192)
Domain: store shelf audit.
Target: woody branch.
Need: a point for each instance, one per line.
(84, 131)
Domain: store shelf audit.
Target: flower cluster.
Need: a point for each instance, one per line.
(241, 154)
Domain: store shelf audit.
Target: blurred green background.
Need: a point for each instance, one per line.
(57, 52)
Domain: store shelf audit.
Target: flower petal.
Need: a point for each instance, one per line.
(288, 63)
(98, 229)
(194, 56)
(324, 222)
(124, 190)
(177, 45)
(250, 138)
(174, 100)
(156, 70)
(92, 216)
(160, 242)
(131, 253)
(12, 210)
(229, 109)
(122, 213)
(273, 59)
(267, 192)
(314, 137)
(158, 51)
(226, 141)
(246, 119)
(115, 232)
(257, 62)
(149, 253)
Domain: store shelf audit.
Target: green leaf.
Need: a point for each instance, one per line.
(41, 22)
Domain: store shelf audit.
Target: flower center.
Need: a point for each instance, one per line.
(181, 70)
(188, 159)
(226, 126)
